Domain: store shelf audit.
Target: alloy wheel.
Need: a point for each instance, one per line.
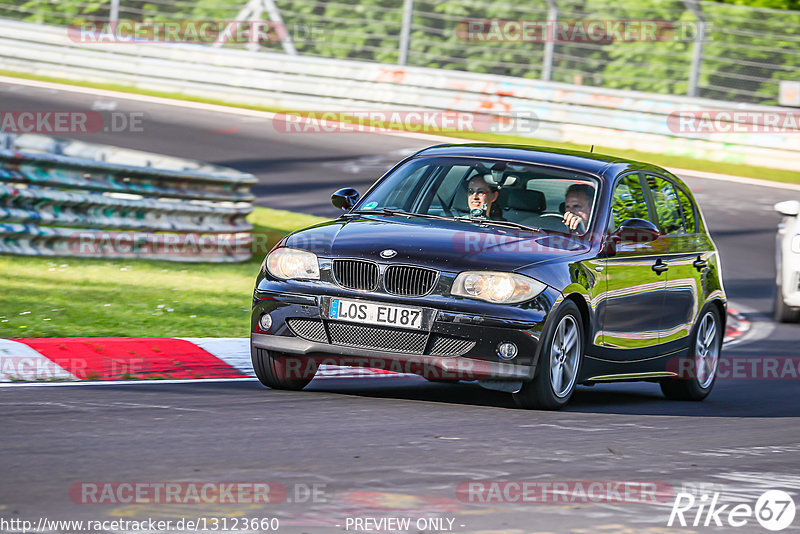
(565, 353)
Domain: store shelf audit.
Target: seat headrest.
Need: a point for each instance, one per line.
(523, 200)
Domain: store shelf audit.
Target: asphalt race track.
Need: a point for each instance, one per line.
(401, 447)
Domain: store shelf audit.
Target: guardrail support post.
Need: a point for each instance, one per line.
(252, 12)
(697, 47)
(549, 40)
(405, 32)
(275, 16)
(113, 15)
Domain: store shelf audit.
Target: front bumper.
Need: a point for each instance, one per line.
(456, 343)
(453, 368)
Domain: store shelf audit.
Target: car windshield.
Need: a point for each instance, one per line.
(491, 190)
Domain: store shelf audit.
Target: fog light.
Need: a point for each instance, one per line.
(265, 322)
(507, 351)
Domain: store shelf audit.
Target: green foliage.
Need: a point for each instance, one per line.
(65, 11)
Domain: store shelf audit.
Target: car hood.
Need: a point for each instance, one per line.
(440, 244)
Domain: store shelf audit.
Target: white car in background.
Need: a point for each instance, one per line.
(787, 263)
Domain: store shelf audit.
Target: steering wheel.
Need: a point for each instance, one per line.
(580, 229)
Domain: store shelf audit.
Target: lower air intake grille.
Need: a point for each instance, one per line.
(309, 329)
(449, 346)
(378, 337)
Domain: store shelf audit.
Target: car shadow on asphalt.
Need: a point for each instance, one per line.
(752, 398)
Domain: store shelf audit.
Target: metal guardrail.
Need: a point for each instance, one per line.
(58, 205)
(709, 49)
(566, 113)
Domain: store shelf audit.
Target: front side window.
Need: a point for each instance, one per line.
(457, 187)
(628, 202)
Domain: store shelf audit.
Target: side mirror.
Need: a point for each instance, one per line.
(789, 208)
(346, 198)
(637, 231)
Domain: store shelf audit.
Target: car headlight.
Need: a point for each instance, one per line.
(497, 287)
(291, 263)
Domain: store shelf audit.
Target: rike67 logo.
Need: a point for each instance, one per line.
(774, 510)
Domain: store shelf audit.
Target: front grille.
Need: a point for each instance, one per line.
(449, 346)
(356, 274)
(311, 329)
(378, 337)
(409, 281)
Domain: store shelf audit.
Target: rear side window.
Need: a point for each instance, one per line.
(628, 202)
(665, 200)
(687, 208)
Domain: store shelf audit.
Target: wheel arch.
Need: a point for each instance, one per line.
(583, 308)
(722, 308)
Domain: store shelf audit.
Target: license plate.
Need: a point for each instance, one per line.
(372, 313)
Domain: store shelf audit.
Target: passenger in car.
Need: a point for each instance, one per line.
(482, 198)
(578, 206)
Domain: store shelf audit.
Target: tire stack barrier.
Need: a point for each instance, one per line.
(57, 205)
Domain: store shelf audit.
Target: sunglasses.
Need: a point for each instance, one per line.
(479, 192)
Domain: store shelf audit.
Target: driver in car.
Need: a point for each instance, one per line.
(482, 198)
(578, 206)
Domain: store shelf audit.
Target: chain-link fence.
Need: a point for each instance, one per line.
(679, 47)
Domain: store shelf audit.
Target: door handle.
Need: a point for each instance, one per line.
(659, 267)
(700, 264)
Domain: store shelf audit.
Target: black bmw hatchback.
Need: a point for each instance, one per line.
(528, 270)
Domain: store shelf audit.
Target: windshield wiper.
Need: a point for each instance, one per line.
(506, 224)
(392, 211)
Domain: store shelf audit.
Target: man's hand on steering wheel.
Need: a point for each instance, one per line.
(574, 222)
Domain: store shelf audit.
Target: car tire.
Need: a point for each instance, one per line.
(705, 350)
(560, 356)
(782, 312)
(273, 370)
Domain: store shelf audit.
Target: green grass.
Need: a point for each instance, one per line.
(662, 159)
(67, 297)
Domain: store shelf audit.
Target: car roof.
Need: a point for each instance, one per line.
(603, 165)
